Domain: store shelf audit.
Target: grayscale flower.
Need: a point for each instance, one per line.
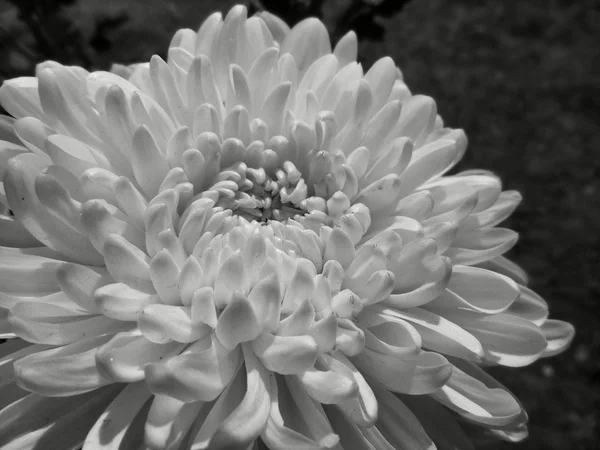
(253, 243)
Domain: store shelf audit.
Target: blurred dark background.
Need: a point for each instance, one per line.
(523, 80)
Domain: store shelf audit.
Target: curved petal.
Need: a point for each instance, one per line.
(121, 302)
(439, 423)
(27, 274)
(285, 354)
(160, 323)
(169, 421)
(35, 422)
(296, 421)
(244, 424)
(399, 425)
(123, 358)
(14, 234)
(79, 283)
(507, 340)
(507, 268)
(19, 182)
(199, 374)
(350, 434)
(476, 246)
(329, 382)
(12, 351)
(477, 289)
(306, 42)
(473, 400)
(529, 306)
(61, 371)
(422, 375)
(440, 334)
(45, 323)
(110, 430)
(362, 409)
(558, 334)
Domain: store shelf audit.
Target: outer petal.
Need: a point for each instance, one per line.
(110, 430)
(243, 425)
(45, 323)
(439, 334)
(475, 401)
(507, 340)
(123, 358)
(169, 421)
(398, 424)
(36, 422)
(559, 336)
(439, 424)
(62, 371)
(12, 351)
(287, 424)
(307, 42)
(200, 373)
(20, 192)
(18, 269)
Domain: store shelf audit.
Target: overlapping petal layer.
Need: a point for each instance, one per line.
(252, 242)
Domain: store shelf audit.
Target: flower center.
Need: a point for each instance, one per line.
(260, 196)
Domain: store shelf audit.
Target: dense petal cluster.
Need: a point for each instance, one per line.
(252, 244)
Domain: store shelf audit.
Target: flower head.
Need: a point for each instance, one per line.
(252, 244)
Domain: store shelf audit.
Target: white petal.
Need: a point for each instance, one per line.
(160, 323)
(530, 306)
(14, 234)
(265, 299)
(18, 269)
(164, 273)
(110, 432)
(381, 76)
(339, 247)
(62, 371)
(51, 324)
(169, 421)
(559, 335)
(440, 424)
(11, 351)
(20, 98)
(312, 414)
(122, 359)
(40, 422)
(329, 382)
(286, 354)
(301, 286)
(382, 194)
(79, 283)
(285, 426)
(362, 409)
(479, 290)
(505, 267)
(507, 340)
(474, 400)
(70, 153)
(307, 42)
(200, 373)
(399, 425)
(243, 425)
(440, 334)
(122, 302)
(149, 164)
(472, 247)
(20, 192)
(99, 221)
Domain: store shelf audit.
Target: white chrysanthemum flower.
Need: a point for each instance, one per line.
(251, 244)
